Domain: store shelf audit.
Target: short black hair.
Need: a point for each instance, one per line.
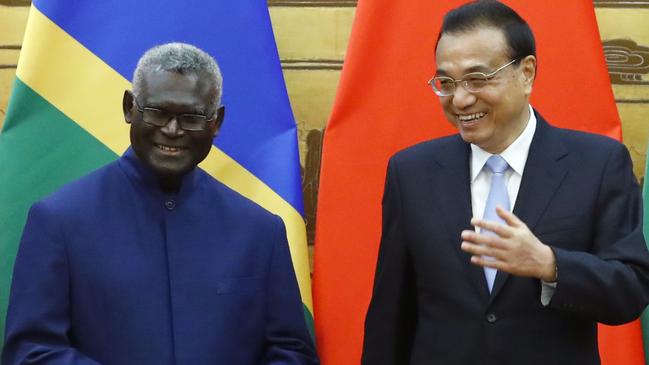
(491, 13)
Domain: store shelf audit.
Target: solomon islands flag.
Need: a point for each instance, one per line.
(65, 119)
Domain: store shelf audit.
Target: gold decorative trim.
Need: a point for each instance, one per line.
(628, 62)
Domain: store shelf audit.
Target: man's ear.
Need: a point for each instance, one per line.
(528, 66)
(218, 122)
(127, 106)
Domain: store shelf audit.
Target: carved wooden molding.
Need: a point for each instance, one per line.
(311, 180)
(15, 2)
(9, 47)
(314, 3)
(628, 62)
(632, 101)
(298, 3)
(353, 3)
(621, 3)
(315, 64)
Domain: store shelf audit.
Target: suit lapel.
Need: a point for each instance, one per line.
(451, 183)
(545, 169)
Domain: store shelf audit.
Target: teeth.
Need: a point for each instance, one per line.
(168, 148)
(470, 117)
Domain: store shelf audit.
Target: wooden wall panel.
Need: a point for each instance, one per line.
(625, 37)
(312, 37)
(12, 29)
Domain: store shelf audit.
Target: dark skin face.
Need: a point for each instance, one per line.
(169, 151)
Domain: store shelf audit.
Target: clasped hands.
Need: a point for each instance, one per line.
(513, 248)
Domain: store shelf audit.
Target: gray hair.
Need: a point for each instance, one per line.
(180, 58)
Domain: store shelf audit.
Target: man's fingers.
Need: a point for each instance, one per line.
(488, 262)
(482, 239)
(510, 218)
(480, 249)
(495, 227)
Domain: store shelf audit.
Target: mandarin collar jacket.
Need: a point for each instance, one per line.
(112, 270)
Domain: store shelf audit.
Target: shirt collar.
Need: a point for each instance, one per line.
(515, 154)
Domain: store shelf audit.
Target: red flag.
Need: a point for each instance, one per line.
(383, 104)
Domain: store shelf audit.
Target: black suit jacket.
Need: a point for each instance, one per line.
(430, 305)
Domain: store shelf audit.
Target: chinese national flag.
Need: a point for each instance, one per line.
(383, 104)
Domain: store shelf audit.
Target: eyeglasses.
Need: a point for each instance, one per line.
(473, 82)
(160, 118)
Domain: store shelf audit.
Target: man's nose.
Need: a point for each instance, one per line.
(462, 98)
(172, 128)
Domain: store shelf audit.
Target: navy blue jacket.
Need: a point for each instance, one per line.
(113, 271)
(430, 305)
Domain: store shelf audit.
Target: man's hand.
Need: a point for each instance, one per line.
(513, 248)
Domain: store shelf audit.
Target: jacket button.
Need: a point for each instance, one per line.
(491, 318)
(170, 204)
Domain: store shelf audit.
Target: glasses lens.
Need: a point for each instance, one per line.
(155, 117)
(191, 122)
(475, 82)
(443, 86)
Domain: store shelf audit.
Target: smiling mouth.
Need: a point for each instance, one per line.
(169, 149)
(470, 118)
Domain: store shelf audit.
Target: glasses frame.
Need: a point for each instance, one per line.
(178, 117)
(464, 82)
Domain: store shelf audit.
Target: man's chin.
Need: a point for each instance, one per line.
(469, 137)
(170, 173)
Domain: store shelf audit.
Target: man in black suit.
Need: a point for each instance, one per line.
(509, 286)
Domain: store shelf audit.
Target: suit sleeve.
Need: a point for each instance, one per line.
(287, 335)
(390, 321)
(609, 284)
(38, 317)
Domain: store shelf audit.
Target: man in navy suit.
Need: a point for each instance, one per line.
(555, 244)
(149, 260)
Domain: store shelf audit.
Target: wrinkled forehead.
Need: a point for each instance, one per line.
(170, 81)
(169, 89)
(161, 79)
(477, 50)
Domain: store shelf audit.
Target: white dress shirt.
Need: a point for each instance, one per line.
(516, 156)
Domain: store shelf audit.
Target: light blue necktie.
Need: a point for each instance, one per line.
(497, 196)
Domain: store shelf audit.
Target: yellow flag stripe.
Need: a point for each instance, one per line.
(74, 80)
(230, 173)
(51, 61)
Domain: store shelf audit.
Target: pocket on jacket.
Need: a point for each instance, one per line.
(241, 285)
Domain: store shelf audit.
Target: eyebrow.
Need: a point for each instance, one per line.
(199, 111)
(477, 68)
